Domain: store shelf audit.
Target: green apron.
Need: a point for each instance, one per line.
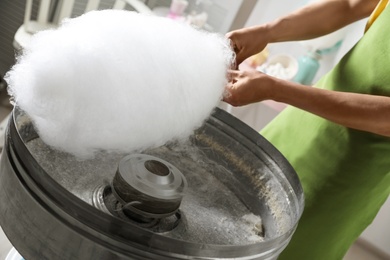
(345, 173)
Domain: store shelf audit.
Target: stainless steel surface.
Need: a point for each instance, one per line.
(148, 186)
(243, 199)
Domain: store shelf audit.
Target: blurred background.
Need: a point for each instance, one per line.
(304, 62)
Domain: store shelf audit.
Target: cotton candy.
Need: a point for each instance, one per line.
(119, 81)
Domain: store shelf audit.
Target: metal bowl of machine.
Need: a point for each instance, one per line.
(226, 193)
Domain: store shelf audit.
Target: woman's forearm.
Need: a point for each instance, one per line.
(359, 111)
(317, 19)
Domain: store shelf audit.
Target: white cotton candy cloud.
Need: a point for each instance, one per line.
(119, 81)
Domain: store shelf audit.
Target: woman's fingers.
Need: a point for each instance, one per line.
(233, 75)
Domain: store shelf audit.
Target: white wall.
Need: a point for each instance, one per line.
(378, 233)
(266, 10)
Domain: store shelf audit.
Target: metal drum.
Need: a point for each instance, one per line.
(226, 193)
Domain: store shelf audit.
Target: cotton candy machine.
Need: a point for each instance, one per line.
(225, 194)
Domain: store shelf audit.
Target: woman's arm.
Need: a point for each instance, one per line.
(319, 18)
(359, 111)
(313, 20)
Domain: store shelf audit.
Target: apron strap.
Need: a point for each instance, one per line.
(377, 11)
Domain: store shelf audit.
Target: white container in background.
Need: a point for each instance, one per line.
(282, 66)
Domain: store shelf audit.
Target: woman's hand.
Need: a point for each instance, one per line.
(246, 87)
(359, 111)
(248, 41)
